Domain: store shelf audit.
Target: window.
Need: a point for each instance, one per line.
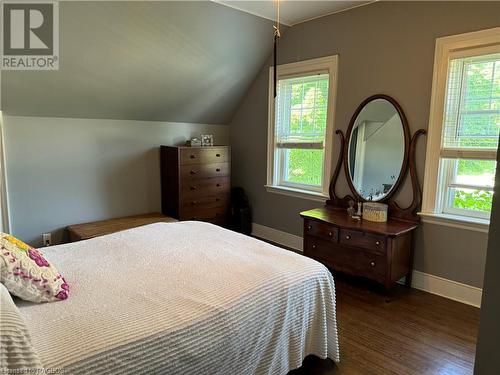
(300, 128)
(471, 123)
(464, 127)
(4, 212)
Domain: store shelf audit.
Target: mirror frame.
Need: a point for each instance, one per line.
(406, 135)
(408, 213)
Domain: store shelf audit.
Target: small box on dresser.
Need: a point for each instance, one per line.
(196, 183)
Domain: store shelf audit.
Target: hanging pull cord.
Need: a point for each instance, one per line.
(277, 35)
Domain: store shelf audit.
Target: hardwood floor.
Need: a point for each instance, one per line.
(416, 334)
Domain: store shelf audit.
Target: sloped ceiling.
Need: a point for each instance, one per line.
(165, 61)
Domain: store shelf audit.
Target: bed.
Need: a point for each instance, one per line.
(183, 298)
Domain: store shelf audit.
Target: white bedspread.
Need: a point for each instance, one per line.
(184, 298)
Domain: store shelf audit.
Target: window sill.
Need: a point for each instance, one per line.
(455, 221)
(311, 195)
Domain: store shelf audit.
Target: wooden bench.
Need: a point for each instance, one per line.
(85, 231)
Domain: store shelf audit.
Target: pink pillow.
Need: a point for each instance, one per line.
(27, 274)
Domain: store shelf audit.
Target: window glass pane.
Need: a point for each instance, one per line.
(496, 80)
(304, 166)
(301, 109)
(476, 105)
(479, 130)
(475, 172)
(472, 199)
(307, 121)
(322, 93)
(309, 95)
(472, 110)
(320, 120)
(295, 116)
(470, 186)
(478, 79)
(297, 94)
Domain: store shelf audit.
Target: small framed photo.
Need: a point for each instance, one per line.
(207, 140)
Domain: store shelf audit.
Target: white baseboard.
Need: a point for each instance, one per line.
(282, 238)
(450, 289)
(454, 290)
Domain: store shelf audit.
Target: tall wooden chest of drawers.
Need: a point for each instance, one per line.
(196, 183)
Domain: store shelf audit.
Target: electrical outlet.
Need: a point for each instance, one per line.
(47, 239)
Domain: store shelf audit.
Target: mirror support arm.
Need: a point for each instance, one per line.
(334, 200)
(414, 207)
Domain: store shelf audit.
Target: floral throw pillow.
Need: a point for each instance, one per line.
(27, 274)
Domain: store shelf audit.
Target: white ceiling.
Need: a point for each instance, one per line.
(292, 11)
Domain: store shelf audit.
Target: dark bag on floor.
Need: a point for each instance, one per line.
(241, 216)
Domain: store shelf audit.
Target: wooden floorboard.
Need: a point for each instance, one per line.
(417, 333)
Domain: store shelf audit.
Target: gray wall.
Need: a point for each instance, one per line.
(145, 60)
(68, 171)
(384, 47)
(488, 349)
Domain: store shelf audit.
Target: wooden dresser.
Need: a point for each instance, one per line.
(378, 153)
(382, 252)
(196, 183)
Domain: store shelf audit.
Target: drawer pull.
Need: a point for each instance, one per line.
(348, 237)
(217, 170)
(193, 172)
(377, 243)
(193, 203)
(309, 227)
(192, 156)
(372, 264)
(330, 234)
(217, 199)
(217, 155)
(314, 246)
(218, 185)
(193, 187)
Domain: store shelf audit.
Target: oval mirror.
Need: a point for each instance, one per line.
(376, 152)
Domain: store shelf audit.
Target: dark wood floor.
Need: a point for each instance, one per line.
(416, 334)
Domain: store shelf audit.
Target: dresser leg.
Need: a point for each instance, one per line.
(408, 279)
(388, 293)
(410, 263)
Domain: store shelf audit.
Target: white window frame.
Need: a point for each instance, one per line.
(482, 42)
(274, 182)
(4, 200)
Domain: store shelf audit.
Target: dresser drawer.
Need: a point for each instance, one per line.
(208, 187)
(363, 240)
(205, 202)
(346, 259)
(217, 214)
(314, 228)
(190, 156)
(190, 172)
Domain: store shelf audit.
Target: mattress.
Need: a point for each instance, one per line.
(184, 298)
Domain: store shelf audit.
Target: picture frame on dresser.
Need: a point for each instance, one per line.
(196, 183)
(378, 153)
